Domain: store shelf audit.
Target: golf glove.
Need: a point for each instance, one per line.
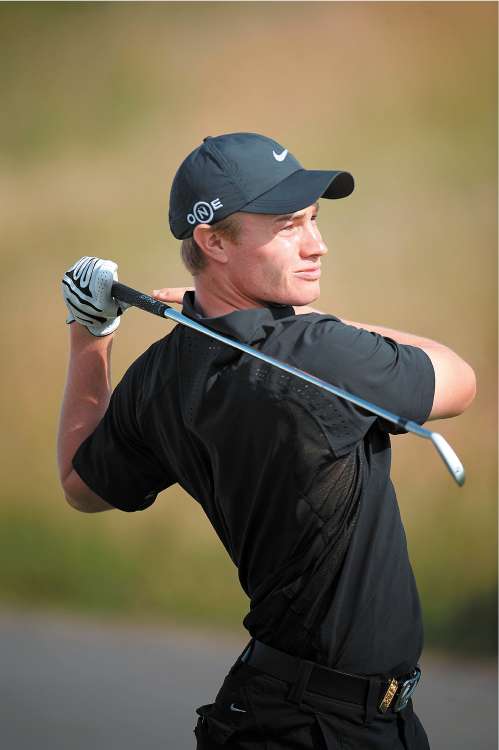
(86, 288)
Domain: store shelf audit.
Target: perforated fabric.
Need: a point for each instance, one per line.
(294, 480)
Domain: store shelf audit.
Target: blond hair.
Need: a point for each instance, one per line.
(193, 256)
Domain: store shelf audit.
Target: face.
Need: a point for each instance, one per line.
(277, 258)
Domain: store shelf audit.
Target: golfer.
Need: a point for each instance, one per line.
(295, 481)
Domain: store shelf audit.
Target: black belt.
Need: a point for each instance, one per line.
(389, 694)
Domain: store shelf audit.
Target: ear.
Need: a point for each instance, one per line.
(211, 242)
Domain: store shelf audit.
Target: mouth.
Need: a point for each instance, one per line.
(309, 274)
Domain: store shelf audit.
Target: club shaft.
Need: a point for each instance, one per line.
(130, 296)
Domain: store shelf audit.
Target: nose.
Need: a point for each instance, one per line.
(312, 244)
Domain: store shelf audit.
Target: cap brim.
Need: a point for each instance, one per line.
(301, 189)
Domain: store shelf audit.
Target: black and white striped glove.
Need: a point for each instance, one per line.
(86, 288)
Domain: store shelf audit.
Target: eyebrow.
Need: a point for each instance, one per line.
(286, 217)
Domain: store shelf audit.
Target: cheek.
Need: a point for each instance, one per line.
(262, 277)
(275, 269)
(265, 268)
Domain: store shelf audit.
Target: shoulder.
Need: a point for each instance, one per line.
(148, 371)
(315, 331)
(325, 346)
(152, 355)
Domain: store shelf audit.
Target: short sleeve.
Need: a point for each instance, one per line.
(396, 377)
(116, 461)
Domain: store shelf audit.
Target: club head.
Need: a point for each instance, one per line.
(449, 457)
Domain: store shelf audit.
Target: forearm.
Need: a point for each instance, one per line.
(87, 393)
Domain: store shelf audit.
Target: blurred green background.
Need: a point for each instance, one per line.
(100, 103)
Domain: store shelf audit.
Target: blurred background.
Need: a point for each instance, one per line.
(100, 103)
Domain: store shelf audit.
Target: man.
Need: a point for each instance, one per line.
(294, 481)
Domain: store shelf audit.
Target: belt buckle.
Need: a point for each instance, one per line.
(407, 689)
(389, 695)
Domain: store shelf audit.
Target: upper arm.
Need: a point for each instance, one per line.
(399, 378)
(122, 463)
(455, 383)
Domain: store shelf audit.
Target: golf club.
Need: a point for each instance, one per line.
(132, 297)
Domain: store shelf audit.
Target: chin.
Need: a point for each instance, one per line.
(301, 299)
(297, 297)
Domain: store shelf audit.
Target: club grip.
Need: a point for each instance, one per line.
(122, 293)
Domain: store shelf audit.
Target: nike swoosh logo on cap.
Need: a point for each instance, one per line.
(282, 156)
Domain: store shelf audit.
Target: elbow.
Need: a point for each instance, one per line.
(455, 390)
(70, 496)
(93, 504)
(80, 497)
(73, 502)
(66, 489)
(471, 387)
(468, 388)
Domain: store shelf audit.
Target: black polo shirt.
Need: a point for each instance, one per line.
(295, 481)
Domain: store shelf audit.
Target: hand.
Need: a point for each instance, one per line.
(172, 294)
(86, 288)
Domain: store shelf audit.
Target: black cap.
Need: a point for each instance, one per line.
(245, 172)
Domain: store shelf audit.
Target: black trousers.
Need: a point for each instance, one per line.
(254, 711)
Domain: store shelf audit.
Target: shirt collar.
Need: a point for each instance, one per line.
(246, 325)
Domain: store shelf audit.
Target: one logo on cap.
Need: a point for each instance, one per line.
(281, 156)
(203, 212)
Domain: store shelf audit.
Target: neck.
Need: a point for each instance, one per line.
(213, 298)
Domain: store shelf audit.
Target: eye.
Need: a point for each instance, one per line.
(287, 226)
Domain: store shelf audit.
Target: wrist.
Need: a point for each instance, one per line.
(81, 338)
